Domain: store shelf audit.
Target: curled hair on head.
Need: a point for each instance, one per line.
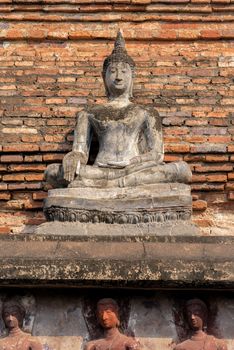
(119, 54)
(202, 306)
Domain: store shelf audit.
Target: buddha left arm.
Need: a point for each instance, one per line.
(154, 139)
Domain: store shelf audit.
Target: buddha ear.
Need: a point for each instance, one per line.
(130, 89)
(104, 81)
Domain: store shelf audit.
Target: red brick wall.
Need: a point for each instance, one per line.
(51, 53)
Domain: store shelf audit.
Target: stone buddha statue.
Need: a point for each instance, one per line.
(196, 314)
(128, 181)
(13, 314)
(108, 317)
(129, 135)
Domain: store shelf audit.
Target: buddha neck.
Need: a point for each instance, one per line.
(111, 332)
(15, 332)
(198, 334)
(119, 102)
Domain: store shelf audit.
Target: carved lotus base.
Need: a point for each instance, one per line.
(152, 203)
(64, 214)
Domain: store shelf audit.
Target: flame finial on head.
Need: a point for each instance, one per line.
(119, 41)
(119, 54)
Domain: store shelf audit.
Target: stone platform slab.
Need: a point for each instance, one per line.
(123, 262)
(178, 228)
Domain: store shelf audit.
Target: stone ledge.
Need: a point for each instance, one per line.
(45, 261)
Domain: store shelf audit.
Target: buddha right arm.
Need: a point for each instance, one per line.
(80, 150)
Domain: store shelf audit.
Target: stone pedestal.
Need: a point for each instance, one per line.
(159, 203)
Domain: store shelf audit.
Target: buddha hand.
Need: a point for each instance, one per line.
(71, 163)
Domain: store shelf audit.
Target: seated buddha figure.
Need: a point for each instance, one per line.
(129, 135)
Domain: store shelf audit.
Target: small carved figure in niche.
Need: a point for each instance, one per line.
(196, 314)
(13, 314)
(108, 317)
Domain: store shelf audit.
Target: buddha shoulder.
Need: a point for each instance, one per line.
(107, 112)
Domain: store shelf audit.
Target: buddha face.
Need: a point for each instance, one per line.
(12, 317)
(118, 79)
(195, 316)
(107, 316)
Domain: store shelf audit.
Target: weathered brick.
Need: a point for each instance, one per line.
(216, 178)
(231, 195)
(24, 185)
(26, 167)
(231, 148)
(177, 148)
(34, 177)
(19, 131)
(198, 178)
(199, 205)
(5, 196)
(3, 186)
(208, 187)
(219, 139)
(172, 158)
(31, 138)
(203, 222)
(39, 195)
(11, 158)
(208, 148)
(54, 147)
(214, 158)
(13, 177)
(5, 229)
(21, 148)
(230, 186)
(55, 157)
(213, 168)
(33, 158)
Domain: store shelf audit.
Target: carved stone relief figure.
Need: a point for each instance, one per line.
(13, 313)
(108, 318)
(196, 314)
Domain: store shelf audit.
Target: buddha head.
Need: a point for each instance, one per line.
(196, 313)
(118, 70)
(13, 314)
(108, 313)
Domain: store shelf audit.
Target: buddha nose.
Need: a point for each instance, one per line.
(104, 315)
(119, 76)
